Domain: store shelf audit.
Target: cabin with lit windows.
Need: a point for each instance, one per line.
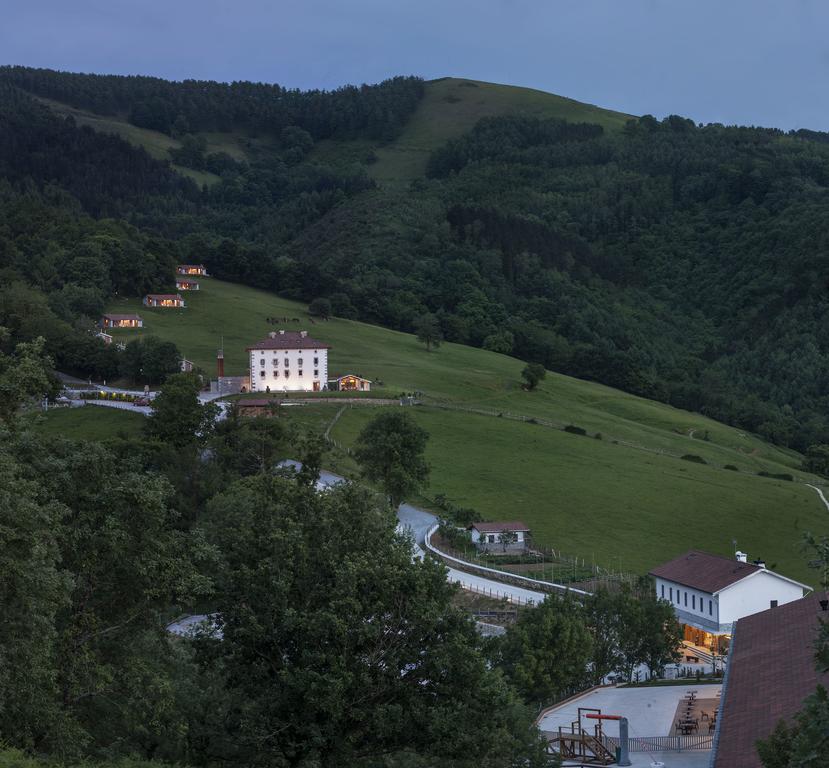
(122, 321)
(186, 284)
(710, 593)
(191, 269)
(164, 300)
(289, 361)
(349, 383)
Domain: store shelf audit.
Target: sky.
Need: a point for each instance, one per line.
(753, 62)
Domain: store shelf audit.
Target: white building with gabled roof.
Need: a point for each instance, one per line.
(289, 361)
(709, 593)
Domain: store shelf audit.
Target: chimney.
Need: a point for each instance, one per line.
(220, 363)
(760, 563)
(281, 332)
(303, 334)
(742, 557)
(272, 334)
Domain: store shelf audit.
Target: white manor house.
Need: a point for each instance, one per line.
(288, 360)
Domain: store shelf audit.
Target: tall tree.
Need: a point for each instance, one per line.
(428, 331)
(339, 647)
(178, 418)
(390, 453)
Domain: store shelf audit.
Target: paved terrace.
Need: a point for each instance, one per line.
(651, 711)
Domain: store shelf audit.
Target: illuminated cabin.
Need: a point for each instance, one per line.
(191, 269)
(185, 284)
(709, 593)
(122, 321)
(164, 300)
(349, 383)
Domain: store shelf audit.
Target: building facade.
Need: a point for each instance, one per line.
(164, 300)
(186, 284)
(710, 594)
(191, 269)
(288, 361)
(487, 537)
(122, 321)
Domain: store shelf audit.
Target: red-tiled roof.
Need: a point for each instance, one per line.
(289, 340)
(704, 571)
(189, 266)
(771, 669)
(166, 296)
(496, 527)
(186, 280)
(122, 317)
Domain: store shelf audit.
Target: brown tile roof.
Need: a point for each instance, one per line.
(170, 296)
(497, 527)
(289, 340)
(189, 266)
(704, 571)
(771, 670)
(122, 317)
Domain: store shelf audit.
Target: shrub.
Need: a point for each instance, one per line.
(777, 476)
(574, 430)
(597, 436)
(694, 458)
(731, 468)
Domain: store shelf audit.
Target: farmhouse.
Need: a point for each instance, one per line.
(288, 361)
(191, 269)
(349, 383)
(771, 669)
(164, 300)
(511, 536)
(710, 593)
(185, 284)
(105, 337)
(122, 321)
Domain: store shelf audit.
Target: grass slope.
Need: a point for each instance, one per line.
(452, 106)
(92, 422)
(626, 494)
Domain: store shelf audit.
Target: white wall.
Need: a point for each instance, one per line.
(698, 601)
(754, 594)
(275, 362)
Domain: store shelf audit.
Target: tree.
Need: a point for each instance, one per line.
(320, 308)
(24, 376)
(603, 619)
(178, 418)
(545, 654)
(659, 630)
(533, 374)
(506, 538)
(428, 331)
(817, 460)
(341, 649)
(149, 360)
(390, 453)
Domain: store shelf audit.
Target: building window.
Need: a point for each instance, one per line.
(694, 602)
(299, 362)
(316, 374)
(710, 607)
(262, 362)
(261, 374)
(686, 599)
(300, 371)
(672, 593)
(287, 362)
(316, 361)
(663, 591)
(276, 374)
(773, 604)
(275, 362)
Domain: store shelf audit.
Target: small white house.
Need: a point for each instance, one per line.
(709, 593)
(489, 536)
(288, 361)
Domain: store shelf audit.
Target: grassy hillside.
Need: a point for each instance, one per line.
(627, 494)
(452, 106)
(92, 422)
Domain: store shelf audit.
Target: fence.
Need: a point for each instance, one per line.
(664, 743)
(496, 594)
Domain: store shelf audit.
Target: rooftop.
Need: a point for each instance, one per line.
(704, 571)
(771, 669)
(289, 340)
(497, 527)
(121, 317)
(171, 296)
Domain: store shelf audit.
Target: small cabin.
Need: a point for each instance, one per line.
(185, 365)
(122, 321)
(191, 269)
(500, 537)
(186, 284)
(105, 337)
(349, 383)
(164, 300)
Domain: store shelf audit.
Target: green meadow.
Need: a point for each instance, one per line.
(92, 422)
(626, 495)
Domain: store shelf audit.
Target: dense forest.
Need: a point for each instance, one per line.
(681, 262)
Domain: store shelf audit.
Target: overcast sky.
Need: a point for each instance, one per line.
(732, 61)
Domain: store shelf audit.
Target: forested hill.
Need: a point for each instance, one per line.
(680, 262)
